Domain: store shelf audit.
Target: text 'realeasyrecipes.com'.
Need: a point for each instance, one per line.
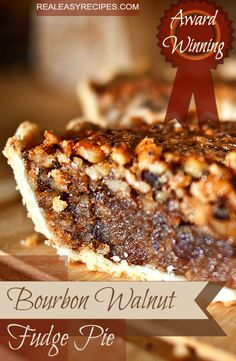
(87, 8)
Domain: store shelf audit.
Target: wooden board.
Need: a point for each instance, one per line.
(15, 226)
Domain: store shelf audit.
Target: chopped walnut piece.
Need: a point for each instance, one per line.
(98, 171)
(148, 152)
(218, 171)
(67, 146)
(58, 205)
(59, 180)
(180, 180)
(171, 157)
(118, 186)
(62, 158)
(121, 154)
(77, 162)
(106, 148)
(208, 189)
(118, 171)
(141, 186)
(43, 159)
(89, 151)
(230, 160)
(50, 138)
(195, 166)
(158, 167)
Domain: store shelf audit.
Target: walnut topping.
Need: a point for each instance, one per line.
(77, 162)
(157, 168)
(50, 138)
(118, 171)
(121, 154)
(179, 193)
(89, 151)
(218, 171)
(171, 157)
(148, 152)
(141, 186)
(48, 161)
(42, 158)
(118, 186)
(195, 166)
(230, 160)
(180, 180)
(62, 158)
(59, 180)
(208, 189)
(98, 171)
(58, 205)
(106, 148)
(67, 146)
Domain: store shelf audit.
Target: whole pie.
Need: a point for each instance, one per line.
(148, 203)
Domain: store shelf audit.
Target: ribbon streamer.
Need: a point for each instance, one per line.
(197, 82)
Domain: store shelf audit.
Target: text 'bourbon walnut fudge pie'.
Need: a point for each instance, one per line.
(150, 204)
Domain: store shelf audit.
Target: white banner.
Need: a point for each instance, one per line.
(101, 300)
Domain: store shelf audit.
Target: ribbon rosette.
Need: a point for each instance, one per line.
(194, 36)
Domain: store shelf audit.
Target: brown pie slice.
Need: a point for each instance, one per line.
(131, 98)
(151, 204)
(124, 99)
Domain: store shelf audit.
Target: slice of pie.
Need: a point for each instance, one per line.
(124, 99)
(139, 97)
(153, 204)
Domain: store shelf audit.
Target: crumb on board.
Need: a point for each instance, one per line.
(31, 240)
(181, 352)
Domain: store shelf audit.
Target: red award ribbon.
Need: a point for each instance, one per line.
(194, 36)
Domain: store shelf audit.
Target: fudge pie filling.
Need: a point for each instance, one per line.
(164, 197)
